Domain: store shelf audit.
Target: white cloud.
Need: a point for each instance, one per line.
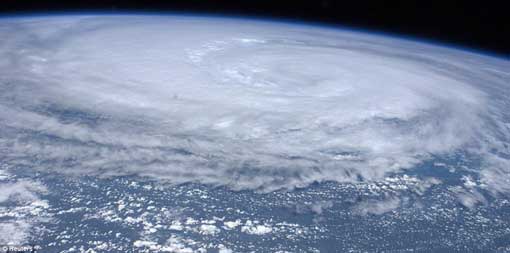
(208, 229)
(181, 101)
(20, 210)
(21, 191)
(14, 232)
(495, 175)
(256, 229)
(471, 198)
(377, 207)
(232, 224)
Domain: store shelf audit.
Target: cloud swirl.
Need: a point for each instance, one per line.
(247, 104)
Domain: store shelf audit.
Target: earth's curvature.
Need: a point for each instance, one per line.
(138, 133)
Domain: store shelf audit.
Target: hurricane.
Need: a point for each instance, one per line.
(246, 105)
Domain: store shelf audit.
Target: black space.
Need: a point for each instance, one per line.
(482, 25)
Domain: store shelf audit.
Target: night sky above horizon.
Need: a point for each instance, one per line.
(480, 26)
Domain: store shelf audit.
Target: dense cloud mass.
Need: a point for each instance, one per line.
(246, 104)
